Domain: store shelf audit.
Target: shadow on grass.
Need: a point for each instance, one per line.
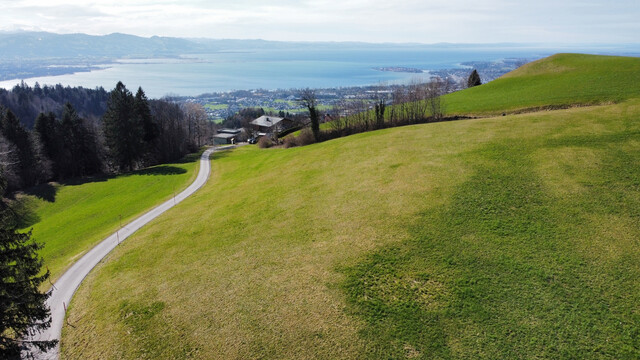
(158, 170)
(24, 206)
(25, 214)
(502, 254)
(46, 192)
(189, 158)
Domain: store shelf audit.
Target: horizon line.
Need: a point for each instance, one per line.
(442, 43)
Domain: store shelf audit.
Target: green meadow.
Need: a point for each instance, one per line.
(70, 218)
(504, 237)
(562, 80)
(556, 82)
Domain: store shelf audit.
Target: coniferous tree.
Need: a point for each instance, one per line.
(79, 144)
(150, 129)
(474, 79)
(143, 112)
(122, 129)
(47, 131)
(70, 144)
(22, 306)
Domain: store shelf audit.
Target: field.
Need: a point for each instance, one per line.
(71, 218)
(561, 80)
(505, 237)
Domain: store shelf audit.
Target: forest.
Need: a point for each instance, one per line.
(54, 133)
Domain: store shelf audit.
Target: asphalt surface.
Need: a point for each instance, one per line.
(63, 289)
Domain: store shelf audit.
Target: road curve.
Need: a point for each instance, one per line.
(63, 289)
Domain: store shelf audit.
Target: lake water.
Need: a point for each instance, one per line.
(274, 69)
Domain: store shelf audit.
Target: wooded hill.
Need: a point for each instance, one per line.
(27, 102)
(122, 132)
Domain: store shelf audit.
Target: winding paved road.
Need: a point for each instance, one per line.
(63, 290)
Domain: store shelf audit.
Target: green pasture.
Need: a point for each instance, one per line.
(561, 80)
(496, 238)
(70, 218)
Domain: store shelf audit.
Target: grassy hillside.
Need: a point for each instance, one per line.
(70, 219)
(508, 237)
(556, 81)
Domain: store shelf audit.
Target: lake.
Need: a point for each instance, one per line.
(280, 69)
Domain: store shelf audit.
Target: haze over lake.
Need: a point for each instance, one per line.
(245, 69)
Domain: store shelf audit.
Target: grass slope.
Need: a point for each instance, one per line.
(70, 219)
(557, 81)
(509, 237)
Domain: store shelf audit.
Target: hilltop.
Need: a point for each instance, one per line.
(558, 81)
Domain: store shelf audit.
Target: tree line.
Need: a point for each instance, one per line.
(397, 105)
(27, 102)
(390, 106)
(132, 132)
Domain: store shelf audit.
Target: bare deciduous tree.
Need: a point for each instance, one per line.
(172, 142)
(197, 128)
(9, 163)
(399, 100)
(433, 92)
(309, 100)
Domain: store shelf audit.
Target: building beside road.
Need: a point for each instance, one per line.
(271, 125)
(228, 136)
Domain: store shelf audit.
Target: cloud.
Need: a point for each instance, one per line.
(360, 20)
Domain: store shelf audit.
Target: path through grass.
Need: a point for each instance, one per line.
(71, 218)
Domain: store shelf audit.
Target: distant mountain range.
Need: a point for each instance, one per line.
(43, 45)
(27, 55)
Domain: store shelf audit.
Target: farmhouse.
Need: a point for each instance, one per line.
(271, 124)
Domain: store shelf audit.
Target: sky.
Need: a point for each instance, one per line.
(399, 21)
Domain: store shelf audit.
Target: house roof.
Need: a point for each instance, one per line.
(267, 121)
(224, 136)
(229, 131)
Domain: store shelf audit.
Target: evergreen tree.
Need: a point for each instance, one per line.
(47, 131)
(150, 129)
(70, 144)
(22, 305)
(474, 79)
(80, 144)
(122, 129)
(143, 112)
